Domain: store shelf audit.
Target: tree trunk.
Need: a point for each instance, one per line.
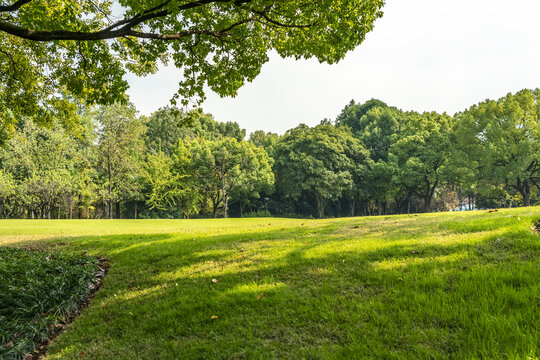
(526, 193)
(429, 195)
(352, 205)
(214, 209)
(427, 204)
(135, 209)
(225, 205)
(320, 205)
(70, 201)
(118, 209)
(110, 188)
(79, 207)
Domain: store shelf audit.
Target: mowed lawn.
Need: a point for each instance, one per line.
(451, 285)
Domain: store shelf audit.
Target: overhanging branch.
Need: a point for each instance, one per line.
(121, 28)
(15, 6)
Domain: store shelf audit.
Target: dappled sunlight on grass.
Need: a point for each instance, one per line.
(452, 285)
(401, 263)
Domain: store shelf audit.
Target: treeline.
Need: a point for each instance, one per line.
(373, 159)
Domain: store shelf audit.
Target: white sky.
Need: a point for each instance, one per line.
(423, 55)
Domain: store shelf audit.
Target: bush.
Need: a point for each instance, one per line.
(38, 290)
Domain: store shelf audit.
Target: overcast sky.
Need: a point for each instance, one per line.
(423, 55)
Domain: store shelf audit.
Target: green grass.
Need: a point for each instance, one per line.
(37, 291)
(435, 286)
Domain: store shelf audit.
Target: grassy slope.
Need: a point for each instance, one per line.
(461, 285)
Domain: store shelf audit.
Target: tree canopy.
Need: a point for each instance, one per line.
(373, 160)
(51, 49)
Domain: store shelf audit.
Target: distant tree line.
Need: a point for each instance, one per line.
(374, 159)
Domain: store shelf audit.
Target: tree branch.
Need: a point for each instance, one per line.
(13, 63)
(124, 27)
(15, 6)
(264, 15)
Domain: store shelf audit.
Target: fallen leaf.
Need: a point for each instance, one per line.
(260, 296)
(214, 281)
(287, 276)
(214, 317)
(400, 279)
(82, 353)
(414, 252)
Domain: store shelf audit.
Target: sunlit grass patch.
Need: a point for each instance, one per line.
(443, 286)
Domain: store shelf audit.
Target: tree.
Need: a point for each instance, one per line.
(228, 168)
(377, 127)
(164, 128)
(505, 138)
(352, 114)
(320, 161)
(168, 188)
(7, 194)
(80, 49)
(265, 140)
(41, 162)
(421, 153)
(121, 146)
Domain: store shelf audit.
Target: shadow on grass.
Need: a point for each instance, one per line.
(331, 291)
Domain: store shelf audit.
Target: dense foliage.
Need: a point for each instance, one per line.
(374, 159)
(52, 49)
(37, 291)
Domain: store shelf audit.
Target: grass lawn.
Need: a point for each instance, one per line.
(452, 285)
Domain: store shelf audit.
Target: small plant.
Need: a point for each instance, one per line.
(536, 226)
(38, 292)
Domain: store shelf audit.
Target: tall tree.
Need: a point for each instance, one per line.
(422, 152)
(167, 187)
(319, 161)
(41, 161)
(505, 138)
(265, 140)
(121, 147)
(352, 114)
(228, 168)
(164, 127)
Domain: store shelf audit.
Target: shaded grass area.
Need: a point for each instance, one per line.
(443, 286)
(39, 290)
